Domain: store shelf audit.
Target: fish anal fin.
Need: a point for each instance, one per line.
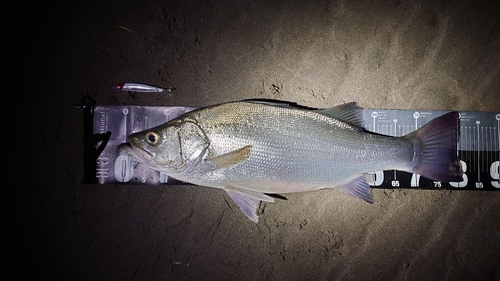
(348, 112)
(359, 188)
(231, 158)
(248, 201)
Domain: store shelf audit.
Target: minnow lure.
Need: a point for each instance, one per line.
(141, 88)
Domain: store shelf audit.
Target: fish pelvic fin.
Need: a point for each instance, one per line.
(359, 188)
(435, 143)
(248, 201)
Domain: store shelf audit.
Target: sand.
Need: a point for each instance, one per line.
(423, 55)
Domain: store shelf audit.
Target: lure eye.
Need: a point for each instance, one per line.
(153, 138)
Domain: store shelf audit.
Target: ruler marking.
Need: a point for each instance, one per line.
(482, 149)
(469, 148)
(497, 134)
(490, 146)
(462, 138)
(467, 142)
(478, 153)
(471, 137)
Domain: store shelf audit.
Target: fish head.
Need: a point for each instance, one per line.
(173, 148)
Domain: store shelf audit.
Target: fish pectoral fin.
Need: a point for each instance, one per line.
(231, 158)
(248, 201)
(359, 188)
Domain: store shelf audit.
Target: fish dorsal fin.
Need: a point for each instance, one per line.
(348, 112)
(278, 103)
(359, 188)
(248, 201)
(231, 158)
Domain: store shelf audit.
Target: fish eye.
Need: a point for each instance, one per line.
(153, 138)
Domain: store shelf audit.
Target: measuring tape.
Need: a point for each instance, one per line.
(478, 147)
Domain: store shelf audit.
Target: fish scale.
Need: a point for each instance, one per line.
(290, 159)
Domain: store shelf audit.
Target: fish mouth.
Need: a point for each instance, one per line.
(135, 152)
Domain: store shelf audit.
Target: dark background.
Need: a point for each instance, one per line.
(423, 55)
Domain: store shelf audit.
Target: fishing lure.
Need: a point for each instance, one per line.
(141, 88)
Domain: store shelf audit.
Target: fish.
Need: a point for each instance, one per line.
(254, 149)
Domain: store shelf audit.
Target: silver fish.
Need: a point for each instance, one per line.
(254, 148)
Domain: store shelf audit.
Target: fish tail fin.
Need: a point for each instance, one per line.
(435, 143)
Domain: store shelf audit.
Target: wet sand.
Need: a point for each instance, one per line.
(422, 55)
